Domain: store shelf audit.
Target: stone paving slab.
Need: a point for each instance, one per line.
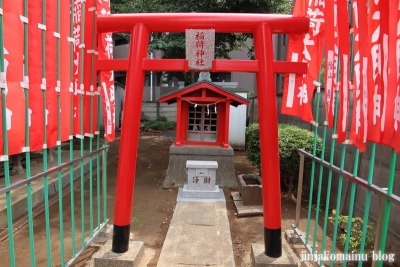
(242, 210)
(199, 235)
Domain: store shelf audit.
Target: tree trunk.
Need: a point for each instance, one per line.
(290, 189)
(192, 77)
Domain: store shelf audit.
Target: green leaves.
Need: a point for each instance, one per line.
(291, 138)
(355, 234)
(160, 123)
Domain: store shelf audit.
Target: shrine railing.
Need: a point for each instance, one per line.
(350, 212)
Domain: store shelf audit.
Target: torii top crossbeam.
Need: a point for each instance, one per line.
(225, 22)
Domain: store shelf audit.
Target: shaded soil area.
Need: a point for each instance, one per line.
(153, 207)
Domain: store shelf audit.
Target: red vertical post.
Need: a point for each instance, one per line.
(129, 139)
(268, 121)
(178, 123)
(227, 117)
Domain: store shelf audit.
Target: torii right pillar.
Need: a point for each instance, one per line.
(269, 147)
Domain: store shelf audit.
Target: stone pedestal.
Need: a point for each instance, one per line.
(259, 259)
(104, 235)
(178, 155)
(106, 258)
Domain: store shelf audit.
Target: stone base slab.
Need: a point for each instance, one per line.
(106, 258)
(259, 259)
(292, 238)
(198, 196)
(243, 211)
(201, 193)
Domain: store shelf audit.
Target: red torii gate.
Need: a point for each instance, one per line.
(262, 26)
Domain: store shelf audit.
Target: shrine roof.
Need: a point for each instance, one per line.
(171, 97)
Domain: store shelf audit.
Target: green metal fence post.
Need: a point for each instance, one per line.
(5, 155)
(367, 200)
(71, 140)
(45, 163)
(313, 162)
(385, 223)
(82, 141)
(351, 206)
(59, 156)
(319, 190)
(27, 141)
(92, 86)
(98, 174)
(105, 182)
(338, 200)
(328, 190)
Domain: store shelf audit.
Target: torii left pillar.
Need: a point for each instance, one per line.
(130, 137)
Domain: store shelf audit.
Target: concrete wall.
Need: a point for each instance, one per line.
(154, 109)
(381, 173)
(245, 80)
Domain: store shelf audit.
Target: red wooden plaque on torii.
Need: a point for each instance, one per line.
(262, 26)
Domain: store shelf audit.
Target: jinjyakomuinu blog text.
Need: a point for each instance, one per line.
(326, 256)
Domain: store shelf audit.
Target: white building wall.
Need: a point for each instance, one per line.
(237, 124)
(246, 81)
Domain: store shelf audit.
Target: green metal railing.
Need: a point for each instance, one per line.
(52, 236)
(52, 173)
(337, 175)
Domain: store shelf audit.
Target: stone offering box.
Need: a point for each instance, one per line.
(201, 174)
(201, 179)
(250, 189)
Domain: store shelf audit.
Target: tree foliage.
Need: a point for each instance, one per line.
(173, 44)
(290, 139)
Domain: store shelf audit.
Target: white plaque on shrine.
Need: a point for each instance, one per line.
(200, 45)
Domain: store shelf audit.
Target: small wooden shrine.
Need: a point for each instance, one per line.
(203, 114)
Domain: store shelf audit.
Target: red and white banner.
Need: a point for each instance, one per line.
(298, 89)
(65, 94)
(36, 122)
(78, 87)
(331, 59)
(90, 80)
(359, 127)
(344, 54)
(391, 133)
(375, 90)
(12, 77)
(51, 74)
(105, 50)
(396, 135)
